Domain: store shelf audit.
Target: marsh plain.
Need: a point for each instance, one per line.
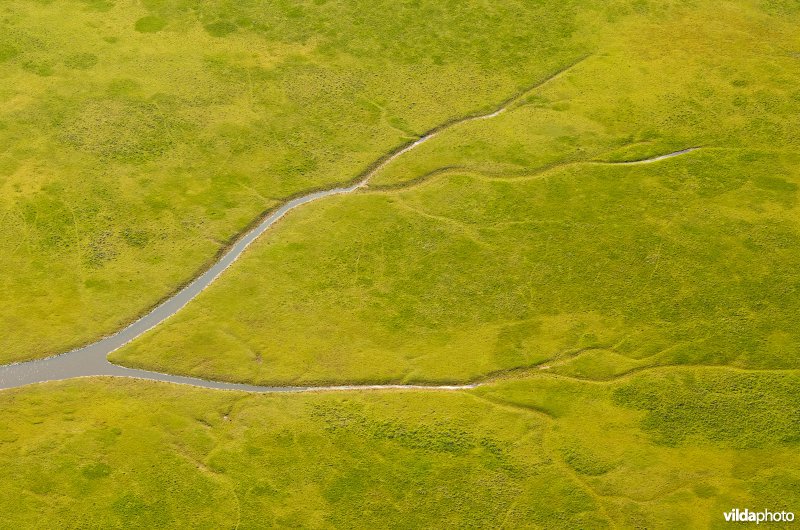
(611, 263)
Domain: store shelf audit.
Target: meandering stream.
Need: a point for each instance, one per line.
(91, 360)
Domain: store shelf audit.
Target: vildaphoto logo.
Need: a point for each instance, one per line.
(746, 516)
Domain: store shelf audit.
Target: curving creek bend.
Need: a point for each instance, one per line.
(91, 360)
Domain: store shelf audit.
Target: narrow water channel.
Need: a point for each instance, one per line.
(92, 360)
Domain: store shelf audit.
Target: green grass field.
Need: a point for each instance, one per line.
(661, 449)
(634, 326)
(139, 139)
